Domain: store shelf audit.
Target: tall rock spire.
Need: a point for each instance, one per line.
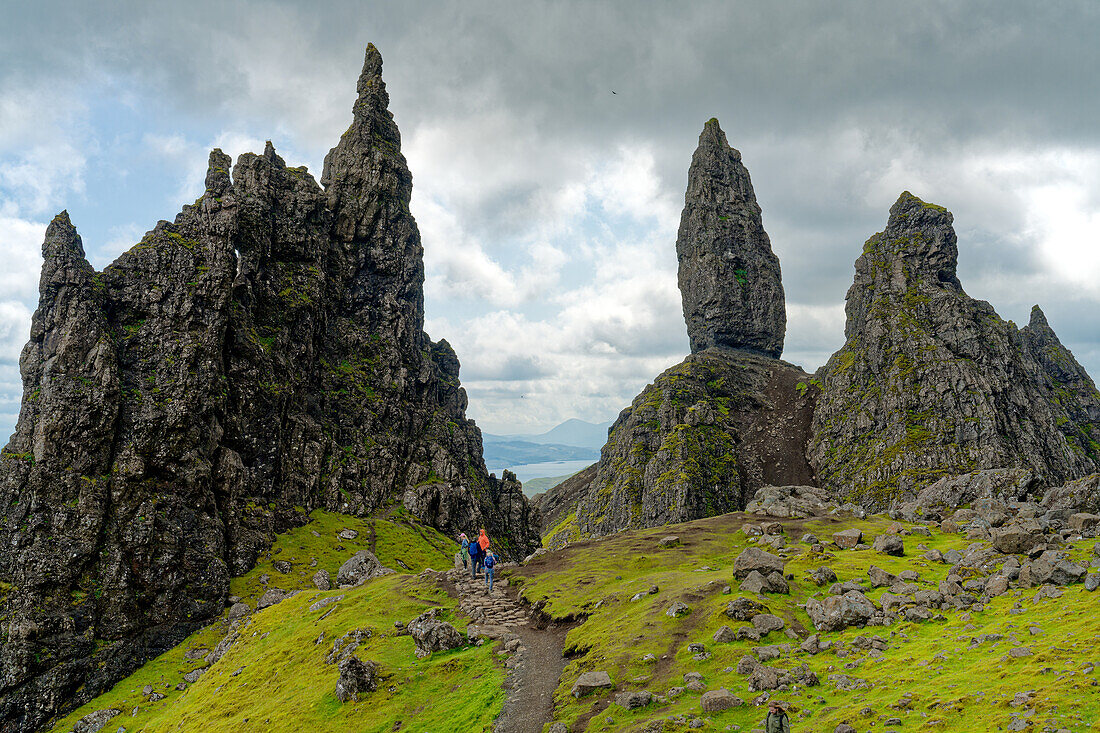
(729, 277)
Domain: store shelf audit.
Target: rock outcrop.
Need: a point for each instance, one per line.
(931, 382)
(729, 277)
(731, 418)
(262, 355)
(700, 441)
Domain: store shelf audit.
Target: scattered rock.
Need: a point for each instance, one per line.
(848, 538)
(890, 544)
(714, 701)
(361, 567)
(271, 597)
(755, 559)
(357, 678)
(670, 541)
(634, 699)
(678, 609)
(322, 580)
(94, 722)
(432, 635)
(589, 682)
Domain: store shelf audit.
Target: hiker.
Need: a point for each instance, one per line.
(465, 550)
(776, 720)
(490, 561)
(475, 557)
(482, 540)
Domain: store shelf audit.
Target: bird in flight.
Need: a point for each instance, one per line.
(613, 91)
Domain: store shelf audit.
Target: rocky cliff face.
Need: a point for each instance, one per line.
(700, 441)
(731, 418)
(729, 277)
(931, 382)
(260, 356)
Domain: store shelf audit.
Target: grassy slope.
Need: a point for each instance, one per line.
(962, 690)
(284, 684)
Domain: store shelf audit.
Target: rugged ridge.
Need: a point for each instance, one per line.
(729, 277)
(931, 382)
(260, 356)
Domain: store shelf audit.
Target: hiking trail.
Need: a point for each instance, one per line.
(536, 663)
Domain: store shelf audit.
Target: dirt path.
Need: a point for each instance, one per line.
(536, 663)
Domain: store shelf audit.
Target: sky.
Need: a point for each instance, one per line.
(548, 205)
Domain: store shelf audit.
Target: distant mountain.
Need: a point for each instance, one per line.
(505, 452)
(572, 432)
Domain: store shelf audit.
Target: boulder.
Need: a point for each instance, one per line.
(432, 635)
(357, 678)
(880, 578)
(670, 541)
(743, 609)
(678, 609)
(848, 538)
(361, 567)
(790, 501)
(823, 575)
(1084, 522)
(1017, 537)
(322, 580)
(756, 559)
(724, 635)
(590, 682)
(774, 582)
(766, 622)
(271, 597)
(633, 699)
(890, 544)
(94, 722)
(839, 612)
(715, 701)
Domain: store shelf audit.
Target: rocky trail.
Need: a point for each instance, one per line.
(535, 660)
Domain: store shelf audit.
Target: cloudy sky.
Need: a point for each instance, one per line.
(548, 205)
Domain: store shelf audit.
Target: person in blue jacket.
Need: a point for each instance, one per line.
(490, 561)
(475, 558)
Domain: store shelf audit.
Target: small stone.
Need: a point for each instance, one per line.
(322, 580)
(678, 609)
(633, 700)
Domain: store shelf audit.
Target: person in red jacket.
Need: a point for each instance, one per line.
(483, 540)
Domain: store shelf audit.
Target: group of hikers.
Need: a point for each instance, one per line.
(476, 555)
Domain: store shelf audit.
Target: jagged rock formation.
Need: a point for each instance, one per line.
(261, 356)
(700, 441)
(931, 382)
(729, 277)
(731, 418)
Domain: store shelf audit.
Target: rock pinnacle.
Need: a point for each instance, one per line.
(729, 278)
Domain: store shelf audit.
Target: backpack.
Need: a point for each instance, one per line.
(490, 561)
(474, 550)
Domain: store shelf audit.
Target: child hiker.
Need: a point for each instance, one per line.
(490, 561)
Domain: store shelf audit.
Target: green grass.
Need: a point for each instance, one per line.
(285, 685)
(965, 690)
